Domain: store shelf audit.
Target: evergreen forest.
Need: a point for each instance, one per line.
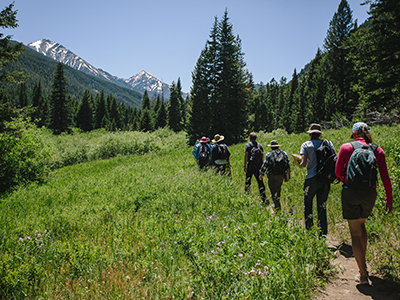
(353, 77)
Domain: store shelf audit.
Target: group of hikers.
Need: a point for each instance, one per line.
(356, 166)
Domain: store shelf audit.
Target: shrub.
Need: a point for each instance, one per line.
(24, 157)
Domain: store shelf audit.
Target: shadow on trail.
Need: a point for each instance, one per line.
(379, 289)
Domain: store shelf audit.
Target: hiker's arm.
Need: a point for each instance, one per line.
(246, 158)
(304, 161)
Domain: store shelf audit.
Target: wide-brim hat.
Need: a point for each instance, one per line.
(274, 144)
(203, 140)
(217, 138)
(315, 128)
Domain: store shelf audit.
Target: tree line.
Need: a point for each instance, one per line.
(355, 73)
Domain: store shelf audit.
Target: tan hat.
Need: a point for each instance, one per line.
(217, 138)
(315, 128)
(274, 144)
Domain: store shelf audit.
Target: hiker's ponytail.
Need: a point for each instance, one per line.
(364, 132)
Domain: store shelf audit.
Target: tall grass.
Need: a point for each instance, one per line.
(153, 226)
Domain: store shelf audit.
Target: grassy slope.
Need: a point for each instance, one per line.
(152, 226)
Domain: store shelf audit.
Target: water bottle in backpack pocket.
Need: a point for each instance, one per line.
(362, 170)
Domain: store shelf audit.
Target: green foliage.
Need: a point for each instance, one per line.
(152, 226)
(24, 155)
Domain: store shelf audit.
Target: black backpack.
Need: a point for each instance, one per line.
(326, 163)
(279, 162)
(362, 170)
(203, 153)
(256, 156)
(221, 153)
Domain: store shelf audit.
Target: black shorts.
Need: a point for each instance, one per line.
(356, 203)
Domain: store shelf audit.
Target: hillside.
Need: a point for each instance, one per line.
(38, 67)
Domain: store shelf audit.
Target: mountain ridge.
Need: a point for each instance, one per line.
(139, 82)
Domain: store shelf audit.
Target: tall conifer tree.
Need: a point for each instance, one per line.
(60, 107)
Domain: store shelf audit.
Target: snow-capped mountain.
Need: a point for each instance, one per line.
(139, 82)
(145, 81)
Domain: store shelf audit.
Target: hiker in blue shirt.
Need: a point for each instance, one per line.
(220, 155)
(277, 166)
(203, 153)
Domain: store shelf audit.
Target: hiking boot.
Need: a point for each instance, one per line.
(361, 279)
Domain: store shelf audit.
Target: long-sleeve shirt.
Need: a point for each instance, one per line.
(344, 156)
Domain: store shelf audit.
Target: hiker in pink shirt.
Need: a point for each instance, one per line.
(359, 194)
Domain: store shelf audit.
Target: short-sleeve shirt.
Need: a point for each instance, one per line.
(250, 145)
(309, 149)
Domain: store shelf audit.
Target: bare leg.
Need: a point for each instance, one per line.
(359, 243)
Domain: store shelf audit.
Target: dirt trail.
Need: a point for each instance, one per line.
(343, 286)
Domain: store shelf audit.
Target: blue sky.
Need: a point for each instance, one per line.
(165, 37)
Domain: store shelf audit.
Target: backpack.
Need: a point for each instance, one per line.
(256, 156)
(362, 168)
(221, 152)
(279, 162)
(326, 163)
(203, 153)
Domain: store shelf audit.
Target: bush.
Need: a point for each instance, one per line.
(24, 157)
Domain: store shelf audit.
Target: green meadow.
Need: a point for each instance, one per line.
(128, 215)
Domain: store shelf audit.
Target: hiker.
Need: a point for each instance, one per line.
(203, 153)
(313, 187)
(253, 159)
(359, 193)
(220, 155)
(277, 165)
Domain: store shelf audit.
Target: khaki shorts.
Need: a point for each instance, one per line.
(356, 203)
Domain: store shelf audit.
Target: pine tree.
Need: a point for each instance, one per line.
(101, 110)
(146, 101)
(287, 112)
(221, 87)
(60, 109)
(40, 106)
(9, 52)
(161, 117)
(174, 109)
(145, 121)
(376, 50)
(84, 119)
(115, 115)
(339, 75)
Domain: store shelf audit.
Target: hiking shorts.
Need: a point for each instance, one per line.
(357, 203)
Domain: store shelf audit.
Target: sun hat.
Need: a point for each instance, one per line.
(274, 144)
(203, 140)
(217, 138)
(315, 128)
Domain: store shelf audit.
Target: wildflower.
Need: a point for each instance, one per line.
(257, 264)
(28, 238)
(45, 230)
(266, 268)
(234, 255)
(252, 271)
(238, 227)
(240, 255)
(259, 272)
(287, 254)
(21, 239)
(225, 227)
(254, 224)
(212, 251)
(219, 243)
